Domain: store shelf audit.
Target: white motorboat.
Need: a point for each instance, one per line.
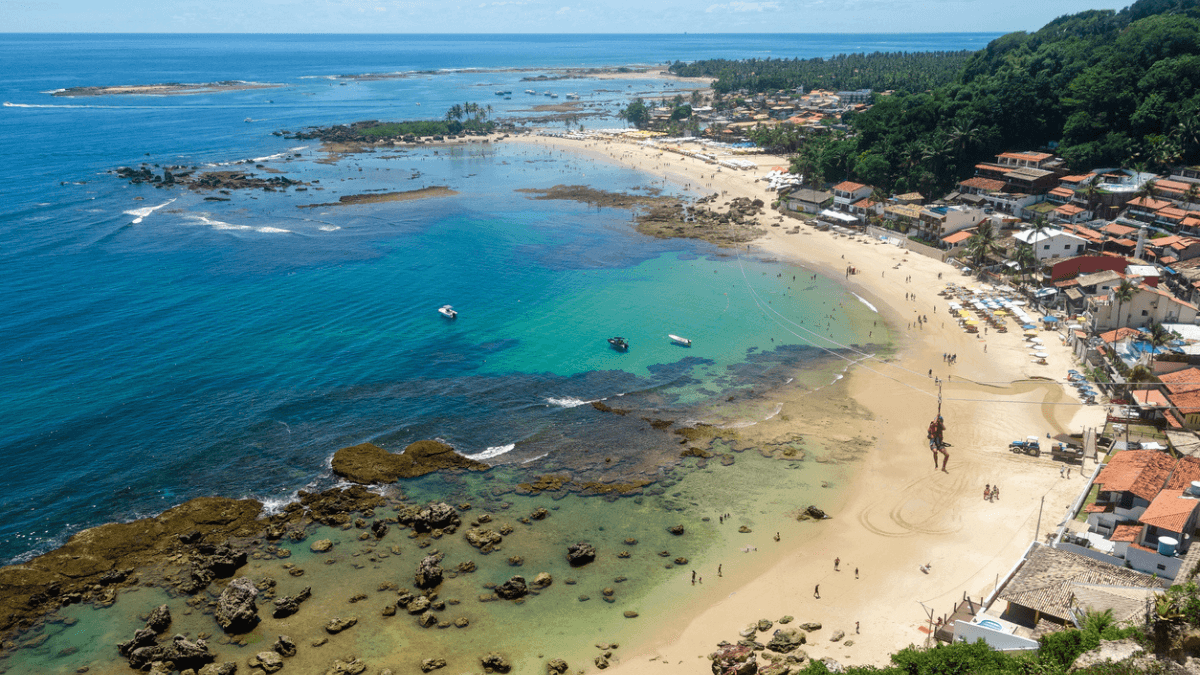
(680, 340)
(448, 312)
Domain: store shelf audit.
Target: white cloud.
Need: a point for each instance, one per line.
(563, 10)
(740, 6)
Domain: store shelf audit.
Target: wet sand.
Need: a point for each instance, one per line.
(899, 512)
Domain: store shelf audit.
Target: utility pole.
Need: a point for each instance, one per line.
(1038, 532)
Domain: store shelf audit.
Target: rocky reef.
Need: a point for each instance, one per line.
(368, 464)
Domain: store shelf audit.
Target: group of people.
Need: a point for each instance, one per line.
(991, 492)
(949, 358)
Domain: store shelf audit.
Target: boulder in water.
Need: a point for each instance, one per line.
(236, 611)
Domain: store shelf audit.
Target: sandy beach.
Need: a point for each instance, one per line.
(899, 513)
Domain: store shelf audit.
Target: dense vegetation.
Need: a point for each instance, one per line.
(468, 118)
(1104, 88)
(880, 71)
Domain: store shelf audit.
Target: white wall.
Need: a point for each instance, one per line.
(1149, 563)
(971, 632)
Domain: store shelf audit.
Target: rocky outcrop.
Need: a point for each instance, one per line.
(236, 611)
(290, 604)
(337, 624)
(227, 668)
(321, 546)
(542, 580)
(430, 665)
(144, 637)
(556, 667)
(513, 588)
(495, 663)
(367, 463)
(787, 640)
(735, 660)
(160, 619)
(182, 652)
(484, 540)
(379, 528)
(284, 646)
(676, 530)
(270, 662)
(435, 516)
(429, 572)
(1109, 650)
(580, 554)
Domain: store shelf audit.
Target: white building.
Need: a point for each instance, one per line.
(1048, 242)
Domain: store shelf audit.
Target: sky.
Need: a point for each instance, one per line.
(535, 16)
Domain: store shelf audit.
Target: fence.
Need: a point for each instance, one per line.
(905, 242)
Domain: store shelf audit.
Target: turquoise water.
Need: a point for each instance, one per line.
(155, 346)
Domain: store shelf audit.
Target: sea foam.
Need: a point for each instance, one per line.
(494, 451)
(567, 402)
(143, 213)
(860, 299)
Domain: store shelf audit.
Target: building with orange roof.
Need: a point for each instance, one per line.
(1172, 189)
(848, 192)
(1132, 478)
(1144, 208)
(1171, 514)
(1060, 195)
(1187, 471)
(1117, 230)
(1181, 381)
(980, 184)
(1022, 160)
(1071, 214)
(1148, 305)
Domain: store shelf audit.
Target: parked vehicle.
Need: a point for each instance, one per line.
(1029, 446)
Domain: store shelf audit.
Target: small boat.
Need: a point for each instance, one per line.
(248, 120)
(619, 343)
(448, 312)
(680, 340)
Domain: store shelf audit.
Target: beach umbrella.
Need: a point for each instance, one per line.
(1029, 326)
(1041, 355)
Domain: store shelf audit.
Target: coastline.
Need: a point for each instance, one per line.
(893, 504)
(896, 506)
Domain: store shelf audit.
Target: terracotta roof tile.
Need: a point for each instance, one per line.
(1140, 472)
(1031, 156)
(1119, 334)
(848, 186)
(1188, 402)
(1063, 192)
(1181, 381)
(1149, 203)
(1170, 510)
(981, 183)
(1069, 210)
(1126, 532)
(1187, 470)
(1117, 230)
(962, 235)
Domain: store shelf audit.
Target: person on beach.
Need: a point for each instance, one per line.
(836, 562)
(855, 572)
(987, 492)
(856, 631)
(693, 577)
(817, 592)
(718, 570)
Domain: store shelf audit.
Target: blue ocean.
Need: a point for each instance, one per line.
(156, 346)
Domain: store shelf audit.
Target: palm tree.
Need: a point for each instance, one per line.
(1159, 337)
(1097, 622)
(1193, 192)
(1147, 191)
(1026, 260)
(1091, 193)
(982, 244)
(1123, 294)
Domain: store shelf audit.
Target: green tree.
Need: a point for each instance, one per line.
(1026, 260)
(636, 113)
(982, 245)
(1123, 293)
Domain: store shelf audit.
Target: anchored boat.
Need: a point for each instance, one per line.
(680, 340)
(448, 312)
(619, 343)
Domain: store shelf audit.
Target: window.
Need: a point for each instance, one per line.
(1046, 247)
(1145, 313)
